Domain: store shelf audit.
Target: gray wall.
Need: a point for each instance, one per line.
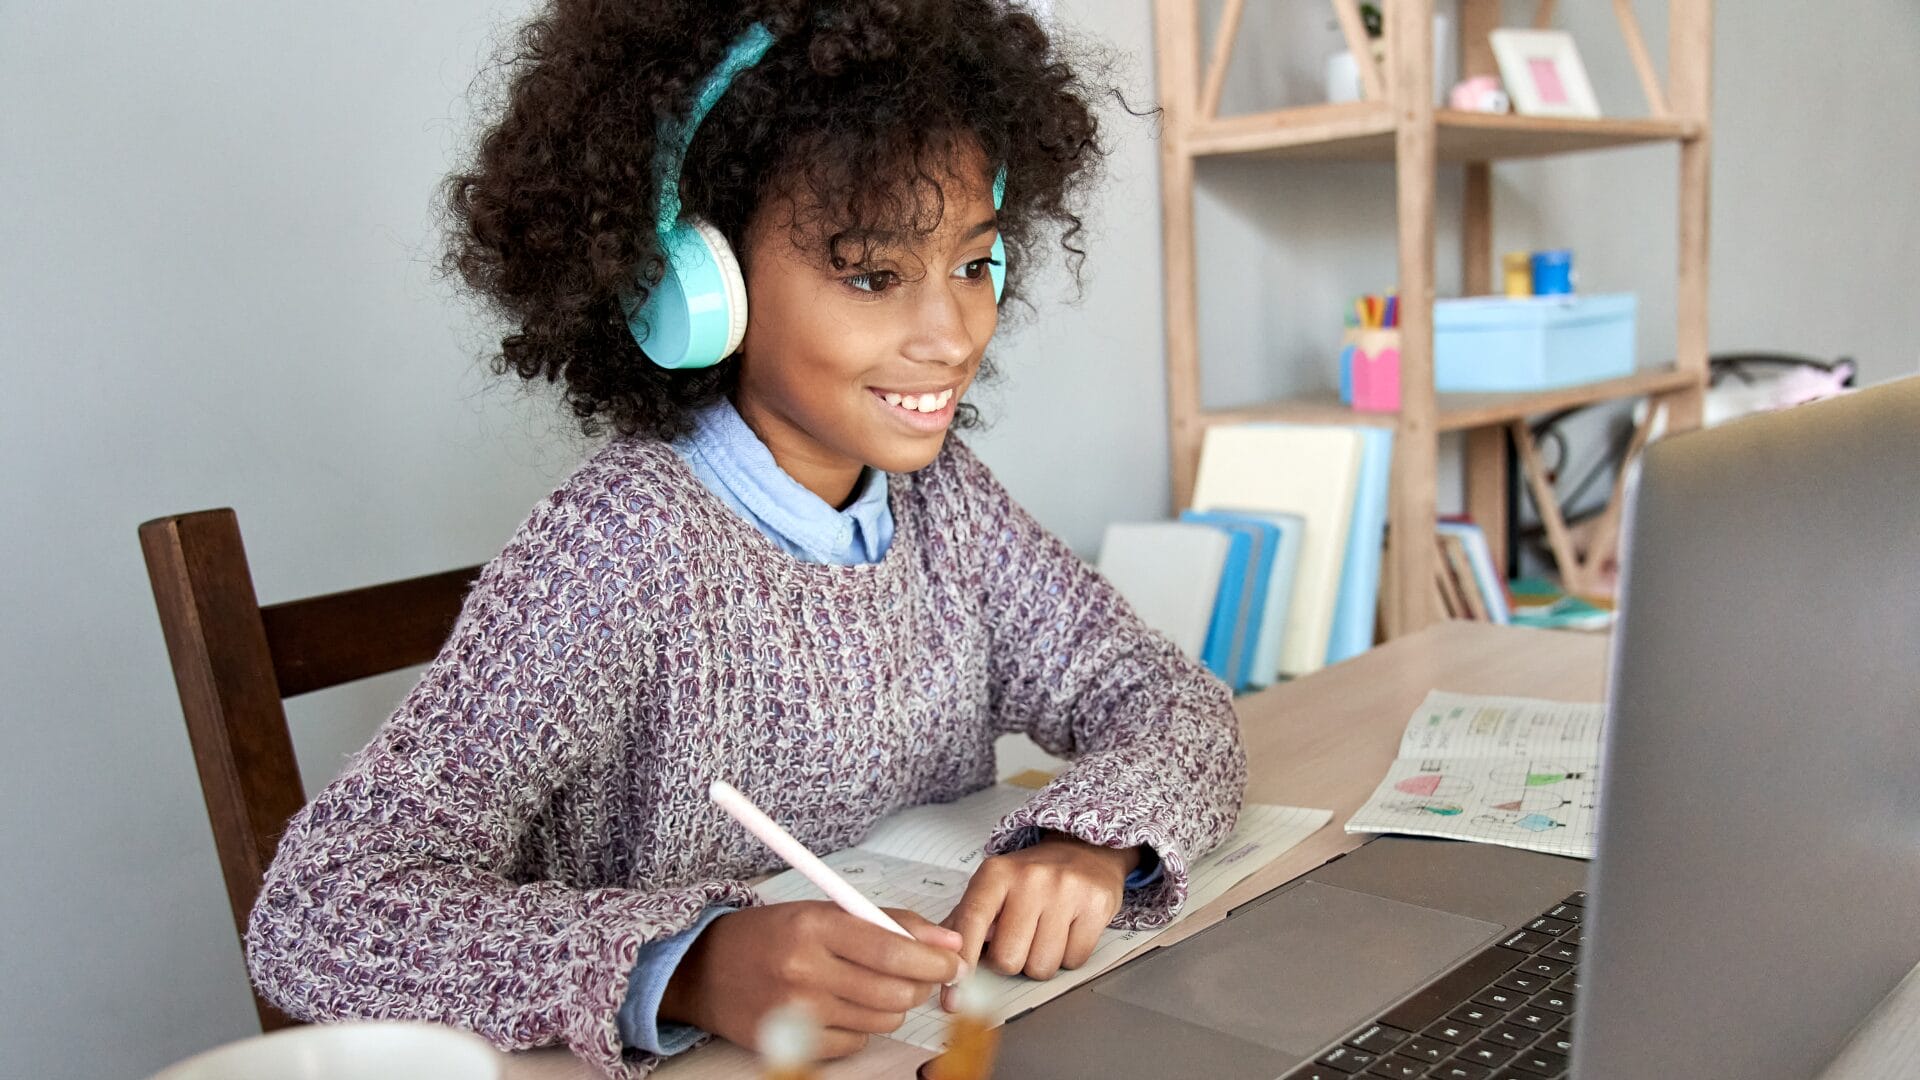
(216, 288)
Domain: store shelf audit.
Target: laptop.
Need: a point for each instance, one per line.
(1753, 896)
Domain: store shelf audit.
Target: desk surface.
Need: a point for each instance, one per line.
(1324, 741)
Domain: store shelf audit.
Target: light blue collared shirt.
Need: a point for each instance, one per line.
(735, 465)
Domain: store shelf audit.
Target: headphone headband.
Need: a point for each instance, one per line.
(675, 136)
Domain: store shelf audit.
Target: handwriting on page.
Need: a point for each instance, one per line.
(1512, 771)
(1461, 725)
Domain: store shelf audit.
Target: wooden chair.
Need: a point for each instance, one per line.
(234, 662)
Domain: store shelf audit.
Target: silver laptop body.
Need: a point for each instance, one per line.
(1758, 885)
(1758, 882)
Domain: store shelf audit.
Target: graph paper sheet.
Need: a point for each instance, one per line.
(1520, 772)
(921, 859)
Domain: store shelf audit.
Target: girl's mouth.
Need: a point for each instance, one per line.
(921, 412)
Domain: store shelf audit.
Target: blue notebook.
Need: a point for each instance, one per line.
(1240, 610)
(1357, 604)
(1289, 531)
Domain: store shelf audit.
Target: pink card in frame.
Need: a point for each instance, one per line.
(1543, 73)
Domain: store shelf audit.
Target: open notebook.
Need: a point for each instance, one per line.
(921, 859)
(1520, 772)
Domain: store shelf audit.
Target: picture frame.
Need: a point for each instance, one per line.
(1543, 73)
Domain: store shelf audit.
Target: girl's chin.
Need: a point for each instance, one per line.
(905, 455)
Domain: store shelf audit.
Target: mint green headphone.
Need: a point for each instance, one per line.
(697, 315)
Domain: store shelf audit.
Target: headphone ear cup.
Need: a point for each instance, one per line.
(732, 280)
(697, 315)
(998, 268)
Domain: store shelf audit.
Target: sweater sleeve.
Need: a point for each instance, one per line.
(1154, 740)
(394, 893)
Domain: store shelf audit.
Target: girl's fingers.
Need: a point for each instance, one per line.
(848, 1016)
(863, 987)
(885, 953)
(1049, 942)
(930, 932)
(839, 1043)
(973, 916)
(1014, 929)
(1082, 939)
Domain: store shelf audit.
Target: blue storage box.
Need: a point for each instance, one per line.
(1492, 344)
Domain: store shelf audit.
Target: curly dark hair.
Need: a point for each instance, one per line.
(554, 219)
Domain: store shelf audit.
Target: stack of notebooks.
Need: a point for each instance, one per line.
(1469, 586)
(1275, 570)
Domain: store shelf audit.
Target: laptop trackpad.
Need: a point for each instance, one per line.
(1300, 969)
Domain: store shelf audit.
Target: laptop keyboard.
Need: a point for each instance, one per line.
(1504, 1014)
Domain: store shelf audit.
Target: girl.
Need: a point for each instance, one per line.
(781, 571)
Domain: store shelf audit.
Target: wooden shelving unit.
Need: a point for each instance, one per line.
(1398, 123)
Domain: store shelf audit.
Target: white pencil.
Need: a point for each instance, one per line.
(797, 856)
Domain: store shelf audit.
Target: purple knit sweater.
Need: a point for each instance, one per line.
(534, 811)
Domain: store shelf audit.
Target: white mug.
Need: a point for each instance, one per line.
(360, 1050)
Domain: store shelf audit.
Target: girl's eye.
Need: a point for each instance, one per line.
(874, 281)
(977, 269)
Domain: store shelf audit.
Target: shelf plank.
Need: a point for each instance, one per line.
(1348, 131)
(1364, 131)
(1468, 136)
(1304, 410)
(1462, 412)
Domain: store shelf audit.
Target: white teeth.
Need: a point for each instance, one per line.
(920, 403)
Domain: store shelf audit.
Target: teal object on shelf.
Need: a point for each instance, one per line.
(1497, 344)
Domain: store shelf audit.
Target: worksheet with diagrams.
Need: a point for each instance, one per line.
(1515, 771)
(922, 858)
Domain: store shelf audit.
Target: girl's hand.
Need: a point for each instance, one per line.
(857, 979)
(1042, 907)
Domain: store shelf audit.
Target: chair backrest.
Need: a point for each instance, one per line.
(235, 661)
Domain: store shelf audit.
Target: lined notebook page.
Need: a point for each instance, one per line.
(1520, 772)
(1466, 725)
(947, 834)
(921, 859)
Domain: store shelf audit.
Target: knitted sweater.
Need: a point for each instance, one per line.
(535, 809)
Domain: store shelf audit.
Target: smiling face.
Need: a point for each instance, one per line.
(863, 364)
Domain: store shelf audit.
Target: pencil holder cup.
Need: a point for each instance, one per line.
(1370, 369)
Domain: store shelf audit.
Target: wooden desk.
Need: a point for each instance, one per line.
(1323, 741)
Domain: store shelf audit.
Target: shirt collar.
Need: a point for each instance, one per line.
(743, 463)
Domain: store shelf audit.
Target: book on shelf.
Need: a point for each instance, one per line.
(1169, 573)
(1262, 627)
(1453, 554)
(1357, 604)
(1465, 583)
(1242, 600)
(1493, 590)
